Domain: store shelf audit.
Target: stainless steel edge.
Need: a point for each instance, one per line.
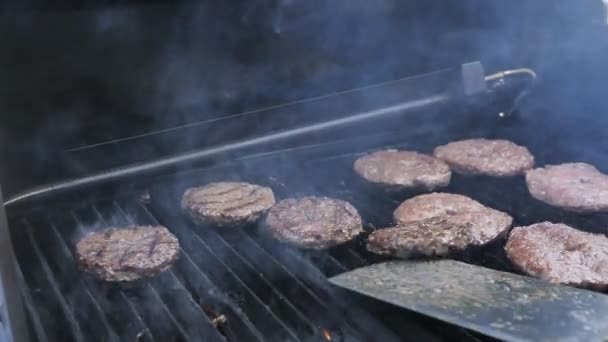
(12, 310)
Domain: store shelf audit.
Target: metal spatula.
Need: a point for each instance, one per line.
(497, 304)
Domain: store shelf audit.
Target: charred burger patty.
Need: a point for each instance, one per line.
(127, 253)
(313, 222)
(439, 224)
(227, 203)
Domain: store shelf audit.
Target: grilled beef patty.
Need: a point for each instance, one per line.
(313, 222)
(403, 169)
(576, 187)
(440, 235)
(227, 203)
(431, 205)
(439, 224)
(127, 253)
(497, 158)
(560, 254)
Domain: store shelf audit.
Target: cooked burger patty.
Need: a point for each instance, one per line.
(497, 158)
(440, 235)
(313, 222)
(431, 205)
(560, 254)
(127, 253)
(577, 187)
(404, 169)
(227, 203)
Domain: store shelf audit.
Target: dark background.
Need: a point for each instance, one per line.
(77, 73)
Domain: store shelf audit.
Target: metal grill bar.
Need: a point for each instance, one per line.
(98, 299)
(175, 282)
(302, 296)
(309, 306)
(83, 303)
(307, 301)
(267, 262)
(187, 312)
(310, 275)
(169, 301)
(117, 304)
(49, 290)
(316, 279)
(348, 257)
(207, 294)
(151, 293)
(257, 311)
(313, 277)
(143, 216)
(263, 289)
(327, 263)
(40, 334)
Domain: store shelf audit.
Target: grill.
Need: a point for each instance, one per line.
(230, 285)
(236, 284)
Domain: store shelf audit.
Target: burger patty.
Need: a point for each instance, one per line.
(435, 204)
(577, 187)
(439, 224)
(313, 222)
(440, 235)
(403, 169)
(227, 203)
(497, 158)
(127, 253)
(560, 254)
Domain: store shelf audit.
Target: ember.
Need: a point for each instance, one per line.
(221, 319)
(216, 318)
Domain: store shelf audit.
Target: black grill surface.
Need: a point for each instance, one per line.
(237, 284)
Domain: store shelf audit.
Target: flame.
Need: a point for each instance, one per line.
(327, 334)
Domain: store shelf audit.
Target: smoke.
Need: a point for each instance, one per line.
(88, 76)
(83, 77)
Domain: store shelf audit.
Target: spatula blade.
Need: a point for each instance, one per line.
(497, 304)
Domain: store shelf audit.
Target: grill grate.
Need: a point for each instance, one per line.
(236, 284)
(296, 307)
(226, 286)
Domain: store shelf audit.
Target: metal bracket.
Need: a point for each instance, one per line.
(473, 78)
